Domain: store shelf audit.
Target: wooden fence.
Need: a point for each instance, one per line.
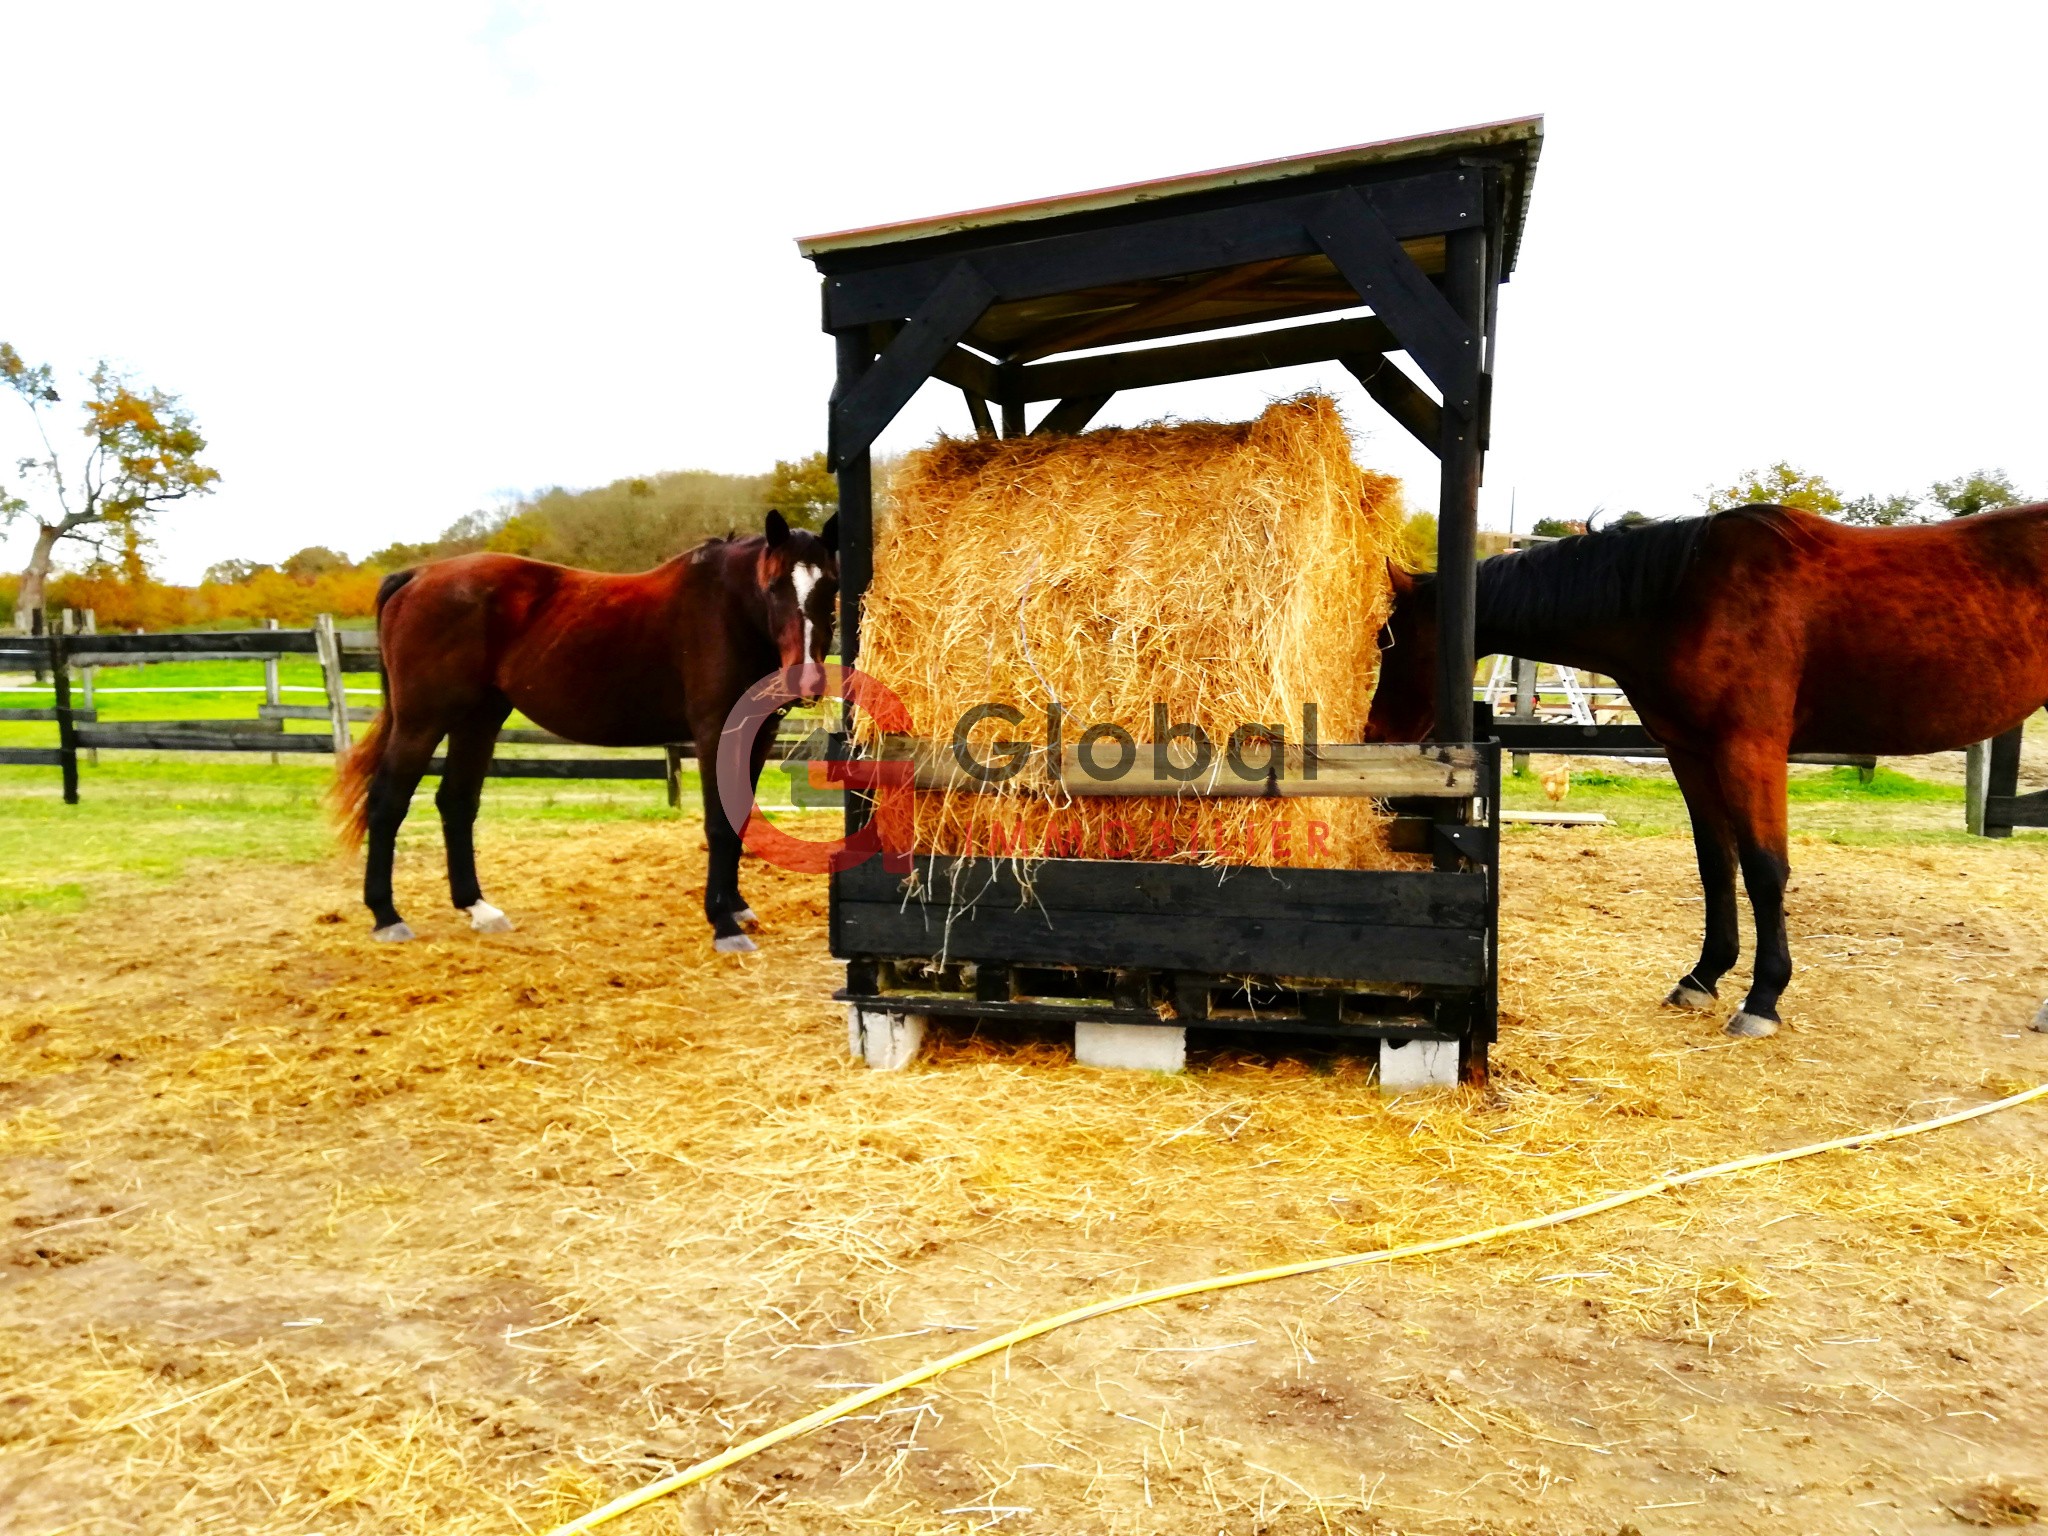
(339, 652)
(1993, 804)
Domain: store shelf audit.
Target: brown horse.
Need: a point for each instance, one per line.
(612, 661)
(1749, 634)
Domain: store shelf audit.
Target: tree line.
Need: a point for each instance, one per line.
(140, 450)
(1786, 485)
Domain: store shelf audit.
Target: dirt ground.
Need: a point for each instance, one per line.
(311, 1235)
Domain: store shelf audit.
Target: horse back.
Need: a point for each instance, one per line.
(1907, 639)
(592, 656)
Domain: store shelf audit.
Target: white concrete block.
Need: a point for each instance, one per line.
(888, 1042)
(1137, 1047)
(1410, 1064)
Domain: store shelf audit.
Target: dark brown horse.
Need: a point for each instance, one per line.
(1753, 633)
(613, 661)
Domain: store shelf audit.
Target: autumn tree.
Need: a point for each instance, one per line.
(314, 561)
(1781, 485)
(804, 491)
(1882, 511)
(1983, 490)
(141, 453)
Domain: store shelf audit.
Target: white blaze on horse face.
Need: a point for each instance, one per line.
(805, 579)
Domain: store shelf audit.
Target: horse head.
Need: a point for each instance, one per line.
(1404, 703)
(798, 575)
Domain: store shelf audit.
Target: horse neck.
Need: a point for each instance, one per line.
(727, 579)
(1605, 648)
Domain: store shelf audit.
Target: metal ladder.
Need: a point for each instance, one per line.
(1501, 678)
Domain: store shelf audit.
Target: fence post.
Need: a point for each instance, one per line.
(1525, 706)
(67, 730)
(1991, 771)
(329, 646)
(672, 771)
(272, 693)
(90, 675)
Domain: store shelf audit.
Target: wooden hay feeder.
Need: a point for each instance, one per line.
(1420, 232)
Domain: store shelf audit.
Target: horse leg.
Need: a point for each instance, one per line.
(398, 775)
(1714, 845)
(722, 904)
(462, 788)
(742, 913)
(1752, 777)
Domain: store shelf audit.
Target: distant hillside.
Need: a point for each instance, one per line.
(628, 525)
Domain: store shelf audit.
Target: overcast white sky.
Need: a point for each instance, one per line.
(404, 260)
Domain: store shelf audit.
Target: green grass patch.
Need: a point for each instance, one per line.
(147, 818)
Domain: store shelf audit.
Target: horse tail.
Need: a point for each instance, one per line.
(350, 797)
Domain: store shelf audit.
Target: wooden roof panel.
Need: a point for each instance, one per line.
(1525, 134)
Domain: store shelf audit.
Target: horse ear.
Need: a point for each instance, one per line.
(778, 529)
(829, 534)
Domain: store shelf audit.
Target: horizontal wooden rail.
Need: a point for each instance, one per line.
(1375, 771)
(160, 738)
(86, 715)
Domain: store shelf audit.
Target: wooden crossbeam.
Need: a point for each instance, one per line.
(977, 412)
(946, 315)
(1102, 328)
(1071, 415)
(1369, 255)
(966, 370)
(1398, 397)
(1379, 770)
(857, 293)
(1285, 348)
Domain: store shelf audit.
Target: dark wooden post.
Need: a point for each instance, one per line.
(672, 774)
(1991, 779)
(1457, 517)
(856, 536)
(1525, 703)
(67, 729)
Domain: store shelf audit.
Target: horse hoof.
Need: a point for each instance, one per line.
(1686, 995)
(2041, 1020)
(745, 918)
(734, 944)
(485, 918)
(393, 933)
(1750, 1026)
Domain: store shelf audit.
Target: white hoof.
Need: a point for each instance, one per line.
(2041, 1020)
(485, 918)
(745, 918)
(735, 944)
(1750, 1026)
(393, 933)
(1686, 995)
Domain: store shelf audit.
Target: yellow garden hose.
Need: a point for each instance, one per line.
(924, 1373)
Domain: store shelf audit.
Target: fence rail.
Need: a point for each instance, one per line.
(340, 652)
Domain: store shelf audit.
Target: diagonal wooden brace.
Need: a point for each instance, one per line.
(1364, 250)
(1398, 397)
(947, 314)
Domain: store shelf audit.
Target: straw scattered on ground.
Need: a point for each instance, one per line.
(310, 1234)
(1229, 572)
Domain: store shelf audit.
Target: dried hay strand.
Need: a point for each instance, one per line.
(1231, 572)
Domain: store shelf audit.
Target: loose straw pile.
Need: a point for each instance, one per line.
(833, 1412)
(1230, 571)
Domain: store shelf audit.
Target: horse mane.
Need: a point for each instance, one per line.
(1610, 574)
